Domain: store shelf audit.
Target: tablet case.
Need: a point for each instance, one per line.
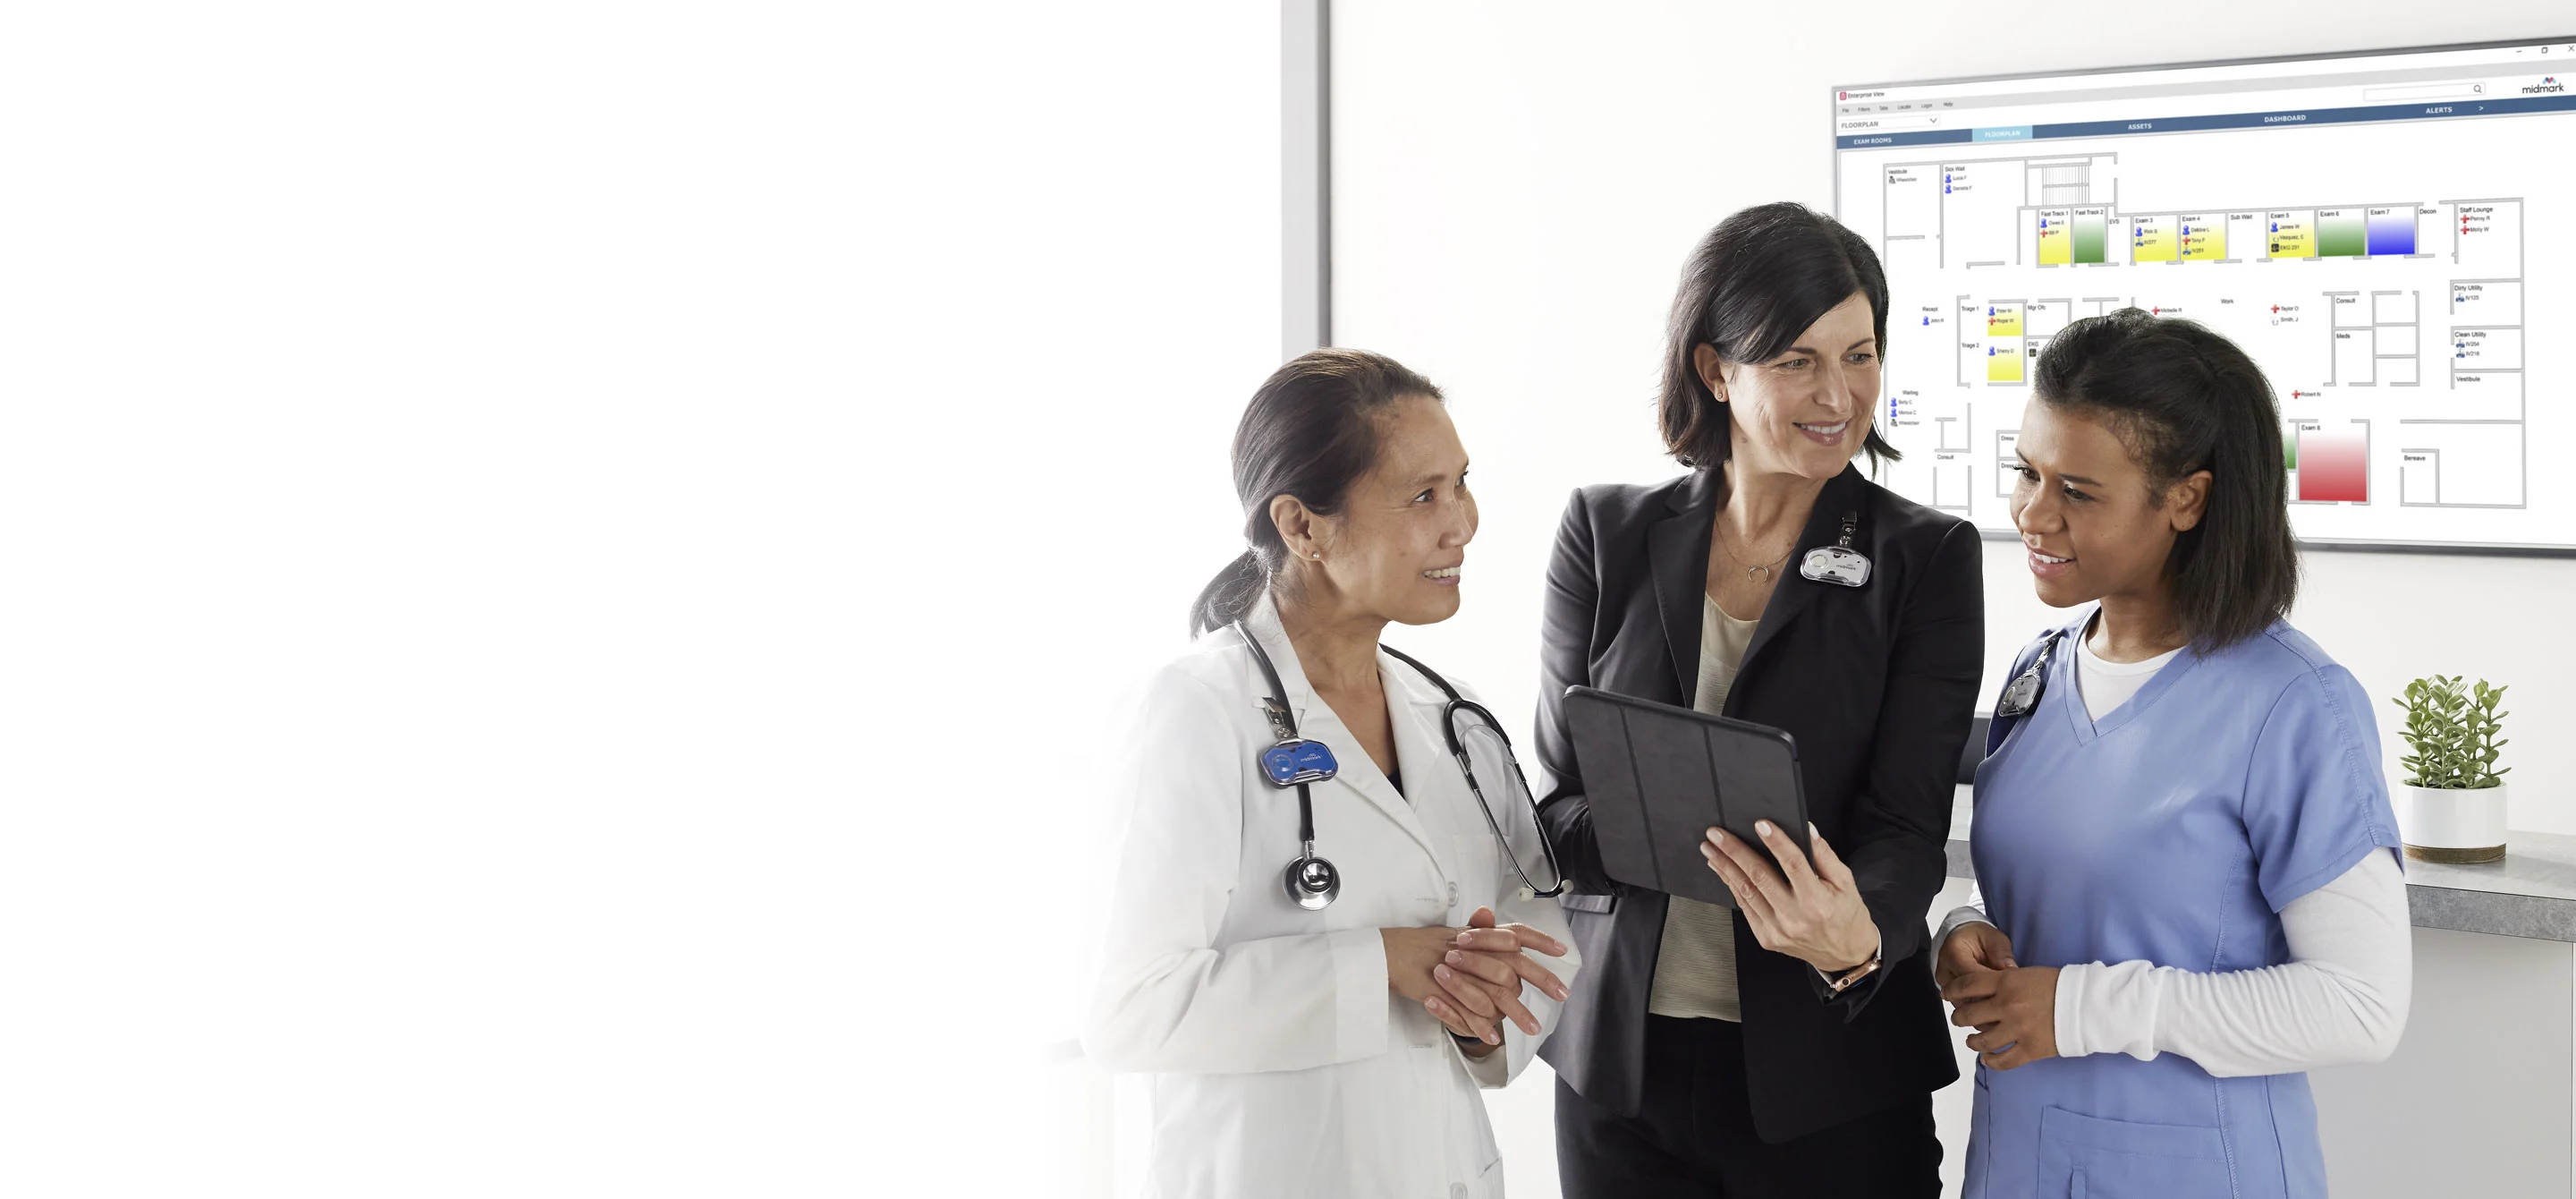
(1658, 777)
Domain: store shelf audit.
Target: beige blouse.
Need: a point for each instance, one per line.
(1695, 969)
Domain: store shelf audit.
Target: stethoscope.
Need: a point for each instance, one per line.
(1312, 882)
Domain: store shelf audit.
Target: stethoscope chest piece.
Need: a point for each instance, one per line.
(1312, 882)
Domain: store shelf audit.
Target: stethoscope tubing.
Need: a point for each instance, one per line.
(1285, 722)
(1458, 750)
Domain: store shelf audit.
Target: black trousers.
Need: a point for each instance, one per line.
(1693, 1135)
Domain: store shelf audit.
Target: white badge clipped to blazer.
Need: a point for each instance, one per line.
(1837, 563)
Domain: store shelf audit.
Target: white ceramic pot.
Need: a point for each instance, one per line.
(2453, 826)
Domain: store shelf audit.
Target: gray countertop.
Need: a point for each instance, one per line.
(2531, 893)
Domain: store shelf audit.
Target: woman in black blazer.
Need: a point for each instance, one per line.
(1789, 1047)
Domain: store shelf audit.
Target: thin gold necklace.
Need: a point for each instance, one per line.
(1755, 574)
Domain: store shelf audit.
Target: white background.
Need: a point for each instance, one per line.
(552, 552)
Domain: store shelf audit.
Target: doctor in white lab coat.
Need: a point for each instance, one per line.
(1301, 1052)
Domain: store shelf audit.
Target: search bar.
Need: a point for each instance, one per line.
(2428, 91)
(1866, 124)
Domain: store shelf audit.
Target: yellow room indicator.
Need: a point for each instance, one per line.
(2203, 234)
(2151, 239)
(2291, 234)
(2056, 237)
(2003, 363)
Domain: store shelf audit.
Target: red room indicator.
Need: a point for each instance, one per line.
(2334, 464)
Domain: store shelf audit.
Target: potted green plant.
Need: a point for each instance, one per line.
(2453, 808)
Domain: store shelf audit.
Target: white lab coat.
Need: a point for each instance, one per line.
(1283, 1065)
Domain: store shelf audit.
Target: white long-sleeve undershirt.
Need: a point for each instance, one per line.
(2340, 1000)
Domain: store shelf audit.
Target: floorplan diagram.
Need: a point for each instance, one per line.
(2381, 277)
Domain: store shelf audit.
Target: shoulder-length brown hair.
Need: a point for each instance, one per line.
(2183, 399)
(1754, 284)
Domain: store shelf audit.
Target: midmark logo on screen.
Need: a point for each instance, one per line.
(2548, 83)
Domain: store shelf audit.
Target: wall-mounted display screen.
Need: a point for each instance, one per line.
(2388, 234)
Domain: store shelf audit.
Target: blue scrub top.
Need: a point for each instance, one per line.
(2173, 830)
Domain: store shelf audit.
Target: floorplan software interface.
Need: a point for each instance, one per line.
(2391, 236)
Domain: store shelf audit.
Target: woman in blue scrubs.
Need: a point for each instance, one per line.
(2183, 841)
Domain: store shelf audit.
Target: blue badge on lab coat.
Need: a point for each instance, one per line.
(1292, 762)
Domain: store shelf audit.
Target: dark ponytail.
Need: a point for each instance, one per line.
(2184, 399)
(1230, 594)
(1310, 432)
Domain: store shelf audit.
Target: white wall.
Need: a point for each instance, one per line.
(1516, 183)
(550, 548)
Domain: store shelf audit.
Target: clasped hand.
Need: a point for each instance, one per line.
(2013, 1007)
(1469, 978)
(1811, 912)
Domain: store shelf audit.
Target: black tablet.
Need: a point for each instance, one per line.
(1658, 777)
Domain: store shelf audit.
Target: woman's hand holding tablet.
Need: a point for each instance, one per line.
(1810, 912)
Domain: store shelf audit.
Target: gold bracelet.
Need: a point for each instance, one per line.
(1836, 985)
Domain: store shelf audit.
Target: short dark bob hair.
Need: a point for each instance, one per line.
(2184, 399)
(1754, 284)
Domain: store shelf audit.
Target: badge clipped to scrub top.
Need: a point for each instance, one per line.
(1838, 563)
(2022, 694)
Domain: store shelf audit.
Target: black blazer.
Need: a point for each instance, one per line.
(1877, 683)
